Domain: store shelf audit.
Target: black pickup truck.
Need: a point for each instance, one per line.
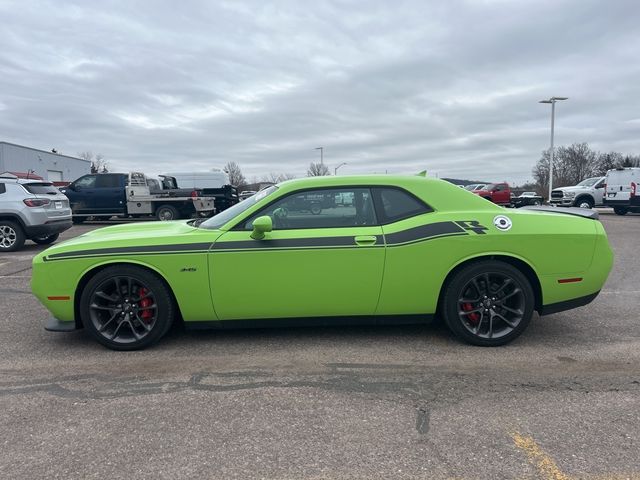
(104, 195)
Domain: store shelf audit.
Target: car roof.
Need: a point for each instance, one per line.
(22, 181)
(342, 180)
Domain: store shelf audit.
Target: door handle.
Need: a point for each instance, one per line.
(366, 240)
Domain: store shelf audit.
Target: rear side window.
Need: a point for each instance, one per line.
(2, 188)
(40, 188)
(396, 204)
(107, 180)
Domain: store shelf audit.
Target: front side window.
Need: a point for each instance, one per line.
(397, 204)
(88, 181)
(322, 208)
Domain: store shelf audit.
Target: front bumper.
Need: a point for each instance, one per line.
(562, 202)
(55, 325)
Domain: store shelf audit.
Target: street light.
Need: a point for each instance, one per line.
(321, 154)
(552, 101)
(335, 170)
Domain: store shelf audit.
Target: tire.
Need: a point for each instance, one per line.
(11, 236)
(316, 209)
(46, 240)
(537, 203)
(116, 317)
(584, 202)
(620, 210)
(79, 220)
(167, 212)
(483, 319)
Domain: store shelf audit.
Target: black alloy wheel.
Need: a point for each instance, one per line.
(488, 303)
(126, 307)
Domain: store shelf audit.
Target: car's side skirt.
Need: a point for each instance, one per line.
(311, 322)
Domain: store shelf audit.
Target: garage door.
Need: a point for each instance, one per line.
(54, 175)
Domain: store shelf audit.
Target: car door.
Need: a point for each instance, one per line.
(81, 194)
(109, 194)
(322, 258)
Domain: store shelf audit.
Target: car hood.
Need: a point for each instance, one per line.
(123, 238)
(574, 188)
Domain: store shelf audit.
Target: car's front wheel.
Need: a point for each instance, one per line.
(126, 307)
(488, 303)
(11, 236)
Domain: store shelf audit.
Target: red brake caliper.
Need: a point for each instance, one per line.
(473, 317)
(147, 314)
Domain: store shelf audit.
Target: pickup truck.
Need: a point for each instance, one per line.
(588, 193)
(498, 193)
(104, 195)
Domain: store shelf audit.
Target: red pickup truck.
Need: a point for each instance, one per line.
(499, 193)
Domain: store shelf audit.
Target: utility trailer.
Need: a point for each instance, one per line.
(105, 195)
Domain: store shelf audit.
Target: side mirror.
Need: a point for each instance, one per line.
(261, 225)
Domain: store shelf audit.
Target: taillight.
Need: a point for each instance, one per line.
(36, 202)
(633, 189)
(195, 193)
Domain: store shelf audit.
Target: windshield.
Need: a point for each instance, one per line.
(589, 182)
(41, 188)
(230, 213)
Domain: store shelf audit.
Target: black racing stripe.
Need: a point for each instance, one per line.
(290, 243)
(147, 249)
(424, 232)
(435, 237)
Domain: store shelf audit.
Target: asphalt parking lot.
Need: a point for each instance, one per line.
(562, 401)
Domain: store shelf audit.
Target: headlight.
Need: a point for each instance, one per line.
(570, 194)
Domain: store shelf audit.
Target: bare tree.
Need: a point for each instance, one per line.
(98, 163)
(275, 177)
(236, 178)
(317, 170)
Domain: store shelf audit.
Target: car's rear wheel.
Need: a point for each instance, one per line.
(488, 303)
(126, 307)
(167, 212)
(11, 236)
(46, 240)
(620, 210)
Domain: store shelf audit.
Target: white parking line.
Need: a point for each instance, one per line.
(621, 292)
(15, 276)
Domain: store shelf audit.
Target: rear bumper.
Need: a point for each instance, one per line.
(630, 203)
(50, 228)
(567, 304)
(55, 325)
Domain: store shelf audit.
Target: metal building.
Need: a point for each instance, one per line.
(50, 166)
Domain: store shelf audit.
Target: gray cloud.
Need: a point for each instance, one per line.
(400, 86)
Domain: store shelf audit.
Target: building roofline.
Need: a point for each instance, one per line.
(43, 151)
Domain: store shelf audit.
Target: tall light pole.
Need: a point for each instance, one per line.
(335, 170)
(552, 101)
(321, 154)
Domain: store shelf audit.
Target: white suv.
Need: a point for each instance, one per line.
(623, 190)
(31, 209)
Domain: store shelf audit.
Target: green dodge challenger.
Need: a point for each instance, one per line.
(329, 250)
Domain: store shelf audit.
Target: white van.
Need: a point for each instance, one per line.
(622, 190)
(213, 179)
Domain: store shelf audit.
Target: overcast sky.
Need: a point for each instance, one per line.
(451, 86)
